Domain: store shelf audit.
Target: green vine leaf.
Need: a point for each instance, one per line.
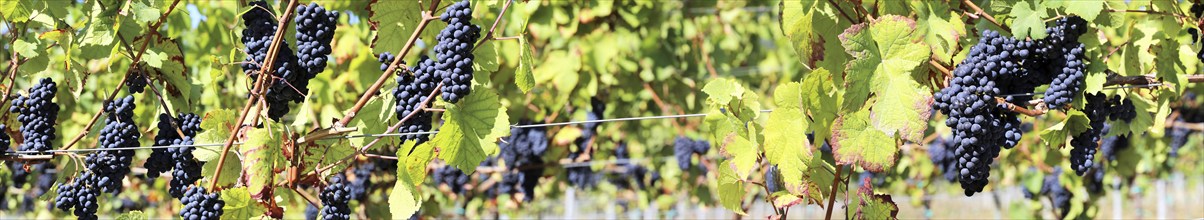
(216, 127)
(857, 142)
(731, 188)
(405, 199)
(390, 19)
(17, 11)
(822, 101)
(887, 55)
(1088, 10)
(1075, 122)
(371, 118)
(722, 91)
(132, 215)
(239, 204)
(743, 154)
(99, 38)
(874, 206)
(263, 157)
(523, 75)
(942, 28)
(1030, 20)
(470, 132)
(785, 147)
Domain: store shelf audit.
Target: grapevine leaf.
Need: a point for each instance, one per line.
(886, 57)
(417, 161)
(785, 199)
(874, 206)
(743, 154)
(523, 75)
(722, 125)
(132, 215)
(239, 204)
(784, 146)
(172, 70)
(323, 153)
(857, 142)
(1029, 20)
(26, 48)
(822, 102)
(1075, 122)
(262, 152)
(485, 58)
(942, 29)
(789, 95)
(405, 199)
(1088, 10)
(144, 13)
(731, 188)
(98, 37)
(216, 127)
(370, 120)
(469, 132)
(17, 11)
(393, 19)
(810, 26)
(1173, 60)
(722, 91)
(230, 171)
(559, 69)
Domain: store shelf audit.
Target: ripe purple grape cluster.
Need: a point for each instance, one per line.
(335, 198)
(523, 155)
(199, 204)
(79, 194)
(454, 50)
(362, 184)
(161, 159)
(584, 176)
(109, 167)
(37, 113)
(684, 149)
(136, 80)
(452, 177)
(773, 179)
(411, 92)
(1000, 66)
(1063, 47)
(631, 172)
(1098, 109)
(1110, 146)
(315, 30)
(1189, 112)
(291, 71)
(1052, 186)
(940, 151)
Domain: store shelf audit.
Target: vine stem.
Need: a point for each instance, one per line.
(154, 31)
(427, 17)
(256, 92)
(979, 12)
(489, 35)
(832, 194)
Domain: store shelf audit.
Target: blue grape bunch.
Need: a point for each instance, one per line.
(110, 167)
(37, 113)
(315, 30)
(685, 148)
(412, 90)
(335, 198)
(291, 71)
(199, 204)
(454, 50)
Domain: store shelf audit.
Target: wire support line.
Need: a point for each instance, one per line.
(90, 150)
(1105, 88)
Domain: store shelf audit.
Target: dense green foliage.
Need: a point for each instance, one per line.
(790, 96)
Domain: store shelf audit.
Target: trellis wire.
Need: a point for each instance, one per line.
(641, 118)
(376, 135)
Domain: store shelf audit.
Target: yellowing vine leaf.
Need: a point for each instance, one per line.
(785, 147)
(874, 206)
(857, 142)
(731, 189)
(263, 156)
(239, 204)
(887, 55)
